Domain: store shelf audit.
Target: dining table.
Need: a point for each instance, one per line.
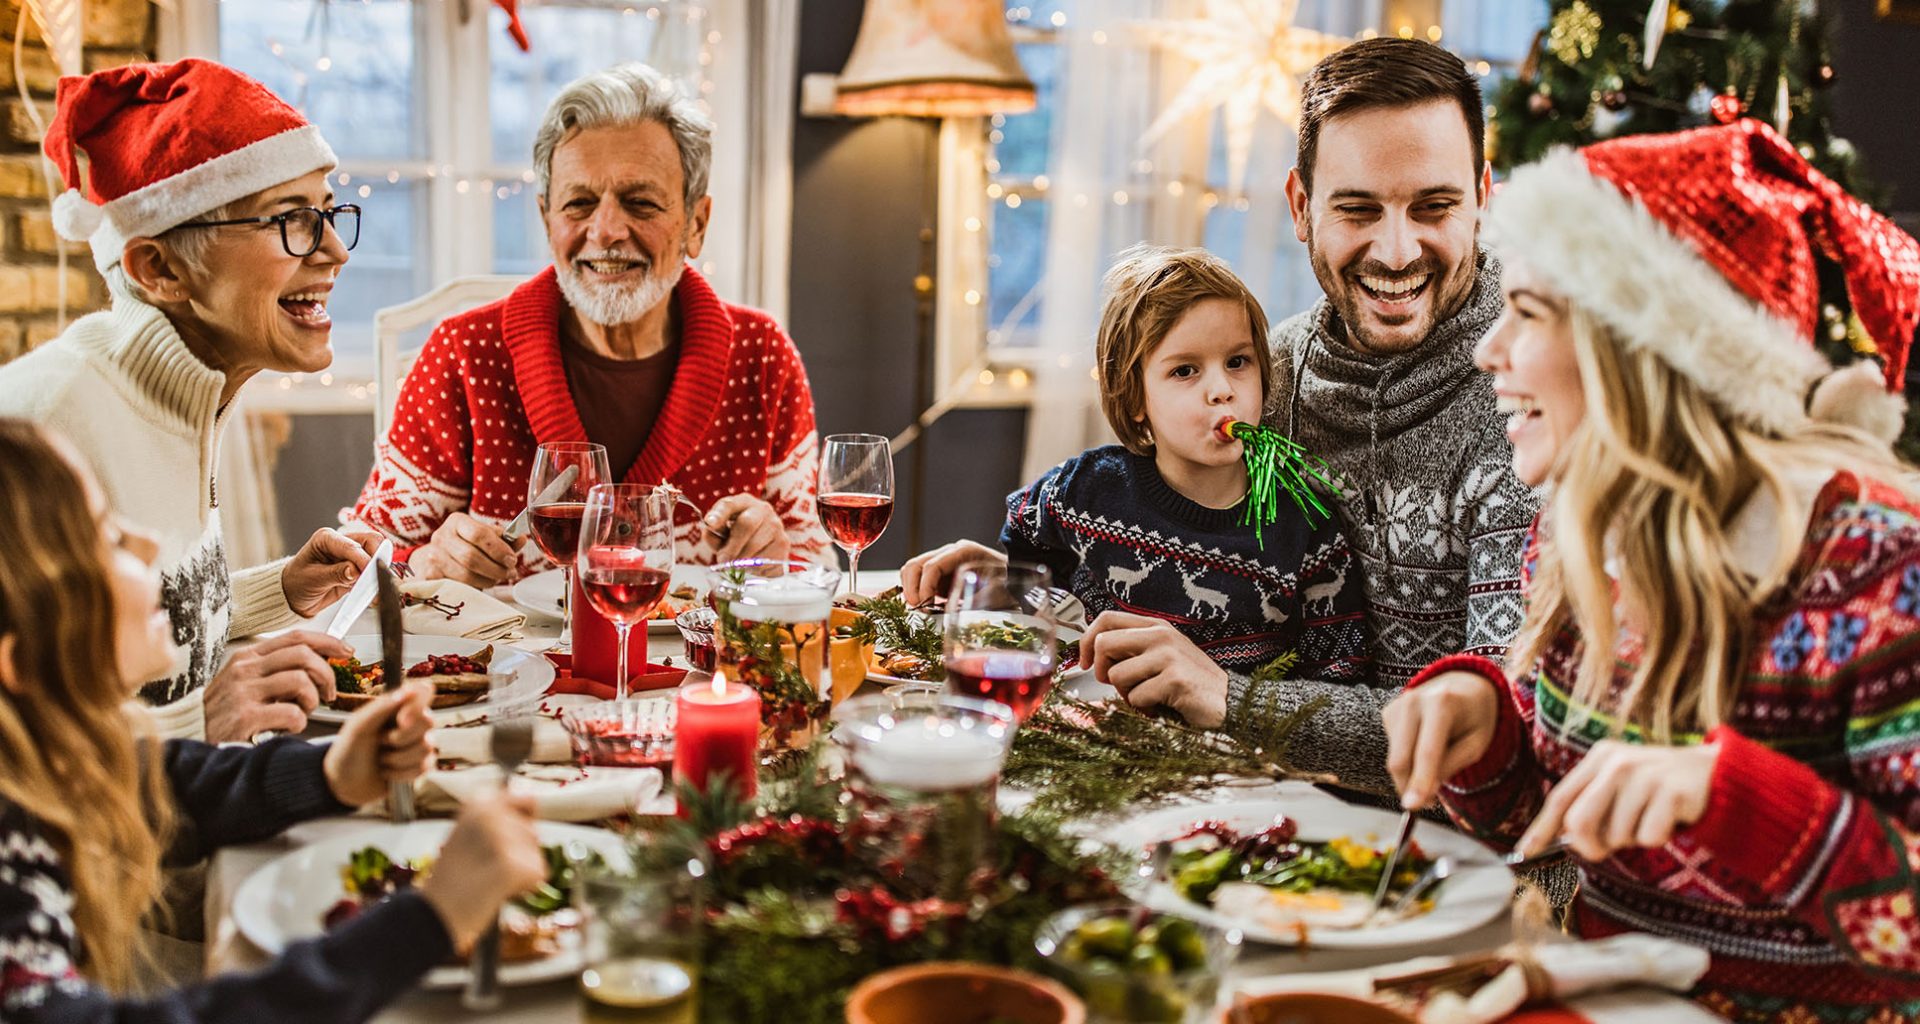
(1259, 967)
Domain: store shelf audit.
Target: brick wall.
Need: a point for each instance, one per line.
(116, 32)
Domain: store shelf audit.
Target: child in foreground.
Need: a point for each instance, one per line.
(1157, 527)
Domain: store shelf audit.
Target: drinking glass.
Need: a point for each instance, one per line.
(556, 522)
(1001, 633)
(773, 635)
(856, 494)
(626, 558)
(641, 924)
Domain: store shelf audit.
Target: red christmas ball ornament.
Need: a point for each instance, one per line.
(1726, 108)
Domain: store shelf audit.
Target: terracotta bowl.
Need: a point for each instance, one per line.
(1309, 1008)
(962, 993)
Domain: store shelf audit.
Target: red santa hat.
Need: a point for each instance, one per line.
(1700, 245)
(165, 143)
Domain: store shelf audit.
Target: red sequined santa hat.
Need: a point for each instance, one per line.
(1699, 246)
(165, 143)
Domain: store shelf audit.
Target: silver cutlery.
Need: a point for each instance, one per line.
(1552, 851)
(510, 742)
(347, 611)
(1402, 836)
(1438, 871)
(393, 664)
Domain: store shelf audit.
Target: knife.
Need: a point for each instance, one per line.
(361, 595)
(1400, 843)
(394, 671)
(550, 493)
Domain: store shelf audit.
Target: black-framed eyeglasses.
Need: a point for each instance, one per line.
(300, 230)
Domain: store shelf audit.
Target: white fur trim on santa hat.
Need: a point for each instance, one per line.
(1656, 292)
(1857, 395)
(144, 212)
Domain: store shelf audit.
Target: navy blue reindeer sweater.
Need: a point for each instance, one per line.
(1117, 535)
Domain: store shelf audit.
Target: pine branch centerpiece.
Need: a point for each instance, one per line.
(1275, 463)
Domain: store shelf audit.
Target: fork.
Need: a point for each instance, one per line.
(510, 742)
(1438, 871)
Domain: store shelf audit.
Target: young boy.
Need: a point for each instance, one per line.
(1153, 525)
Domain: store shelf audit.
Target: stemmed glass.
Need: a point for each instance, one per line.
(1001, 634)
(556, 521)
(856, 494)
(626, 558)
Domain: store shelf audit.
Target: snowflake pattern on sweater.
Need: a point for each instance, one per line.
(1802, 878)
(489, 387)
(1116, 534)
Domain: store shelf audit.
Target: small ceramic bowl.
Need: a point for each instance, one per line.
(961, 993)
(632, 733)
(1308, 1008)
(1179, 986)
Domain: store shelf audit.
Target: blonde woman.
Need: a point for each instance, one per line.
(87, 811)
(1714, 701)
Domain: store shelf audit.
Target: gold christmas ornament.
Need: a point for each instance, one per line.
(1574, 33)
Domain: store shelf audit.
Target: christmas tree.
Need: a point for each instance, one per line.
(1603, 68)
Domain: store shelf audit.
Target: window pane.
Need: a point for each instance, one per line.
(348, 67)
(384, 270)
(1016, 262)
(1024, 139)
(572, 39)
(519, 241)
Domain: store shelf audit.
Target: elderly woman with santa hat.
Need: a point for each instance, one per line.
(1714, 700)
(204, 198)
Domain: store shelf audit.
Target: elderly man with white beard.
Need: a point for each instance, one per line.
(619, 343)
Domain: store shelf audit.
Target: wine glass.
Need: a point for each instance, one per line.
(556, 521)
(856, 494)
(1001, 633)
(626, 558)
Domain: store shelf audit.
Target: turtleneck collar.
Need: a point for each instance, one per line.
(170, 383)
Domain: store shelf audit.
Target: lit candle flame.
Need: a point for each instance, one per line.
(719, 685)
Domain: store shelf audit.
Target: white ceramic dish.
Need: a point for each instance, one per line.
(539, 594)
(532, 674)
(1479, 890)
(284, 901)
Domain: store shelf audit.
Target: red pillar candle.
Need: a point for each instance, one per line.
(717, 729)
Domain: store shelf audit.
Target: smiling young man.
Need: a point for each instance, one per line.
(206, 206)
(619, 343)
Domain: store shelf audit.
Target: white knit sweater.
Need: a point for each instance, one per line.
(145, 412)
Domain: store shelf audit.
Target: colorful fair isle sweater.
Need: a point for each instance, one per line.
(1428, 498)
(490, 387)
(225, 796)
(1802, 878)
(145, 413)
(1115, 533)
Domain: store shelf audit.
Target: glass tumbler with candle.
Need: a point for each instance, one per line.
(925, 774)
(772, 635)
(641, 955)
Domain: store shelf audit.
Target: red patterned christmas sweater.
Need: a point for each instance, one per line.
(489, 388)
(1800, 878)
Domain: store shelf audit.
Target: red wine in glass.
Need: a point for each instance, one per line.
(855, 520)
(556, 528)
(1018, 679)
(624, 593)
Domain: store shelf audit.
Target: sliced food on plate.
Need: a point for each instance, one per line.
(456, 678)
(1275, 879)
(535, 925)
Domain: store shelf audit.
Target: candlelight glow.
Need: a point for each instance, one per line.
(719, 685)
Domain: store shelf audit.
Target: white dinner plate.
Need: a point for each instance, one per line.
(1071, 678)
(539, 594)
(284, 901)
(532, 674)
(1479, 890)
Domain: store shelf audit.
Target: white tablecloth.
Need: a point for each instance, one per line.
(227, 950)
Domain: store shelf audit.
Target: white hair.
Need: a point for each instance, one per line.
(621, 96)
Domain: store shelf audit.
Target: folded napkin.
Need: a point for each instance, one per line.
(475, 616)
(472, 743)
(1558, 970)
(560, 792)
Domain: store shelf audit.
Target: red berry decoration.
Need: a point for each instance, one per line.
(1726, 108)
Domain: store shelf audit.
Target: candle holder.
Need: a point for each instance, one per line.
(772, 634)
(924, 778)
(632, 733)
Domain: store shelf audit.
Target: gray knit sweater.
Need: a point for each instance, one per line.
(1430, 504)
